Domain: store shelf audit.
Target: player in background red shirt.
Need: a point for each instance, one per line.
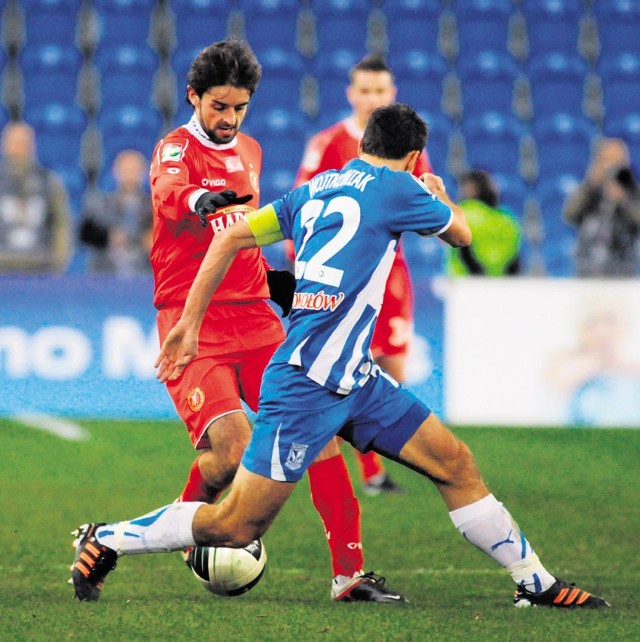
(204, 177)
(371, 86)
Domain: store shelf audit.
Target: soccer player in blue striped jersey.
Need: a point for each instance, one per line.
(322, 381)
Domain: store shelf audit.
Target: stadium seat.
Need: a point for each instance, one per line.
(282, 136)
(412, 25)
(50, 21)
(274, 183)
(620, 78)
(628, 128)
(341, 23)
(514, 192)
(482, 24)
(270, 23)
(59, 128)
(440, 129)
(126, 73)
(332, 73)
(563, 144)
(124, 21)
(493, 142)
(282, 72)
(487, 81)
(199, 23)
(618, 24)
(558, 237)
(128, 126)
(557, 83)
(50, 72)
(552, 26)
(419, 76)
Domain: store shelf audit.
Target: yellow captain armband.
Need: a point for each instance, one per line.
(264, 225)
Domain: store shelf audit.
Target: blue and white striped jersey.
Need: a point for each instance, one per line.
(345, 227)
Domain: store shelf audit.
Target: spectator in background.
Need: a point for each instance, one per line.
(495, 249)
(117, 225)
(605, 209)
(35, 222)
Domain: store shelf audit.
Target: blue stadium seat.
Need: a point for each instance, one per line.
(50, 72)
(126, 73)
(620, 78)
(487, 81)
(440, 129)
(282, 135)
(50, 21)
(129, 126)
(282, 72)
(269, 23)
(341, 23)
(4, 117)
(563, 144)
(493, 142)
(482, 24)
(618, 25)
(552, 26)
(199, 23)
(59, 128)
(412, 25)
(514, 191)
(557, 83)
(628, 128)
(332, 72)
(559, 238)
(180, 63)
(419, 76)
(274, 183)
(124, 21)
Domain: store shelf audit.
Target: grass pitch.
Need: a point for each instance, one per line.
(574, 492)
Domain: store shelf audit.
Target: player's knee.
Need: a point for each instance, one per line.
(460, 465)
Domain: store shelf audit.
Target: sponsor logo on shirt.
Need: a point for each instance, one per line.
(214, 182)
(227, 216)
(171, 152)
(233, 164)
(317, 301)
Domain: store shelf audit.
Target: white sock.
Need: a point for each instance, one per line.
(488, 525)
(163, 530)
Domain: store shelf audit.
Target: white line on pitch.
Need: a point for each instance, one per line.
(60, 427)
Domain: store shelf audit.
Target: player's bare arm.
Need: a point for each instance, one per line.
(458, 233)
(181, 345)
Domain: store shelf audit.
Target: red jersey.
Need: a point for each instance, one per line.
(185, 165)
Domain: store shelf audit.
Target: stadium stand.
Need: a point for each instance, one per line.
(50, 21)
(341, 23)
(412, 25)
(270, 23)
(552, 26)
(198, 23)
(124, 21)
(482, 25)
(620, 78)
(618, 23)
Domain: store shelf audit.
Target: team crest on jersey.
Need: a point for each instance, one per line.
(296, 456)
(253, 177)
(233, 164)
(195, 399)
(171, 152)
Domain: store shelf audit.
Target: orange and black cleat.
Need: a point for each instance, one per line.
(92, 563)
(561, 595)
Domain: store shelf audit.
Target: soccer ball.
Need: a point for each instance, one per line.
(229, 571)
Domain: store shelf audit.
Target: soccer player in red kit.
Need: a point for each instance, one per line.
(204, 177)
(371, 86)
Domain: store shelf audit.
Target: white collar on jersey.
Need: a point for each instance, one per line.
(195, 128)
(352, 128)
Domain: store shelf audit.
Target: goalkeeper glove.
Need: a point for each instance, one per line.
(282, 285)
(209, 202)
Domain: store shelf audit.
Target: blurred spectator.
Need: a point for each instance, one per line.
(117, 225)
(35, 222)
(605, 209)
(495, 248)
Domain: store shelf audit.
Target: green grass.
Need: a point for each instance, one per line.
(574, 492)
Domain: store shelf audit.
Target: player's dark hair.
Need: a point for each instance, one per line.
(228, 62)
(394, 131)
(485, 187)
(371, 62)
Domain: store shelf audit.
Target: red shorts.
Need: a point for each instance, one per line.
(236, 343)
(394, 326)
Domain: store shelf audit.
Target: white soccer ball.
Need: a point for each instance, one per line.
(229, 571)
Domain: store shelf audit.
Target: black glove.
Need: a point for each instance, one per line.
(282, 285)
(209, 202)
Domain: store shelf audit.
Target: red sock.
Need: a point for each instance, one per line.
(370, 465)
(196, 489)
(333, 497)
